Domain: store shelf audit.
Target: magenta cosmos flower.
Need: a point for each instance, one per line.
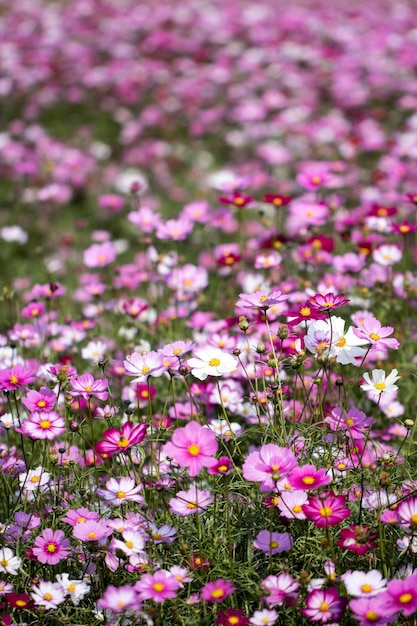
(116, 441)
(273, 543)
(193, 447)
(160, 586)
(42, 400)
(372, 611)
(308, 477)
(51, 547)
(269, 465)
(328, 302)
(192, 501)
(326, 510)
(15, 378)
(217, 591)
(87, 387)
(323, 605)
(43, 425)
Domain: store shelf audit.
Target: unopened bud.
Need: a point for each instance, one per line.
(243, 323)
(283, 331)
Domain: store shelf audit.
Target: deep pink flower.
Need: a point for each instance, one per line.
(51, 547)
(43, 425)
(116, 441)
(269, 465)
(328, 302)
(328, 509)
(308, 477)
(87, 387)
(15, 378)
(160, 586)
(217, 591)
(277, 199)
(354, 422)
(323, 605)
(303, 313)
(33, 310)
(193, 447)
(232, 617)
(237, 199)
(358, 539)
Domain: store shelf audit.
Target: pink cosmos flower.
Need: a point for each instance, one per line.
(192, 501)
(193, 447)
(142, 366)
(177, 230)
(282, 590)
(315, 175)
(401, 595)
(372, 611)
(323, 605)
(79, 516)
(119, 599)
(120, 490)
(377, 335)
(303, 313)
(43, 425)
(354, 422)
(328, 302)
(260, 299)
(217, 591)
(116, 441)
(15, 378)
(290, 504)
(308, 477)
(326, 510)
(51, 547)
(273, 543)
(160, 586)
(92, 530)
(33, 310)
(99, 254)
(42, 400)
(86, 387)
(407, 513)
(268, 465)
(264, 617)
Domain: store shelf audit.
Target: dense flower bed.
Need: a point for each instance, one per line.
(207, 321)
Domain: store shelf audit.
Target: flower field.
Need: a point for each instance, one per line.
(208, 328)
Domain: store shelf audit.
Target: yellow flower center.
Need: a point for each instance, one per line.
(194, 449)
(20, 603)
(41, 404)
(4, 563)
(120, 495)
(325, 511)
(297, 508)
(123, 442)
(316, 180)
(92, 535)
(374, 337)
(146, 369)
(214, 362)
(222, 468)
(217, 593)
(233, 620)
(81, 520)
(177, 351)
(14, 379)
(274, 544)
(277, 202)
(341, 342)
(367, 588)
(324, 607)
(47, 596)
(159, 587)
(239, 201)
(308, 480)
(88, 388)
(129, 544)
(263, 298)
(305, 311)
(71, 587)
(405, 598)
(380, 386)
(371, 616)
(191, 505)
(51, 547)
(35, 479)
(45, 424)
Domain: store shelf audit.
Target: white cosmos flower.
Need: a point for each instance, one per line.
(380, 383)
(76, 589)
(9, 563)
(211, 362)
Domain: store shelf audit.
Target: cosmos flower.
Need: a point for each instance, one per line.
(193, 447)
(160, 586)
(217, 591)
(51, 546)
(328, 509)
(211, 362)
(380, 383)
(116, 441)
